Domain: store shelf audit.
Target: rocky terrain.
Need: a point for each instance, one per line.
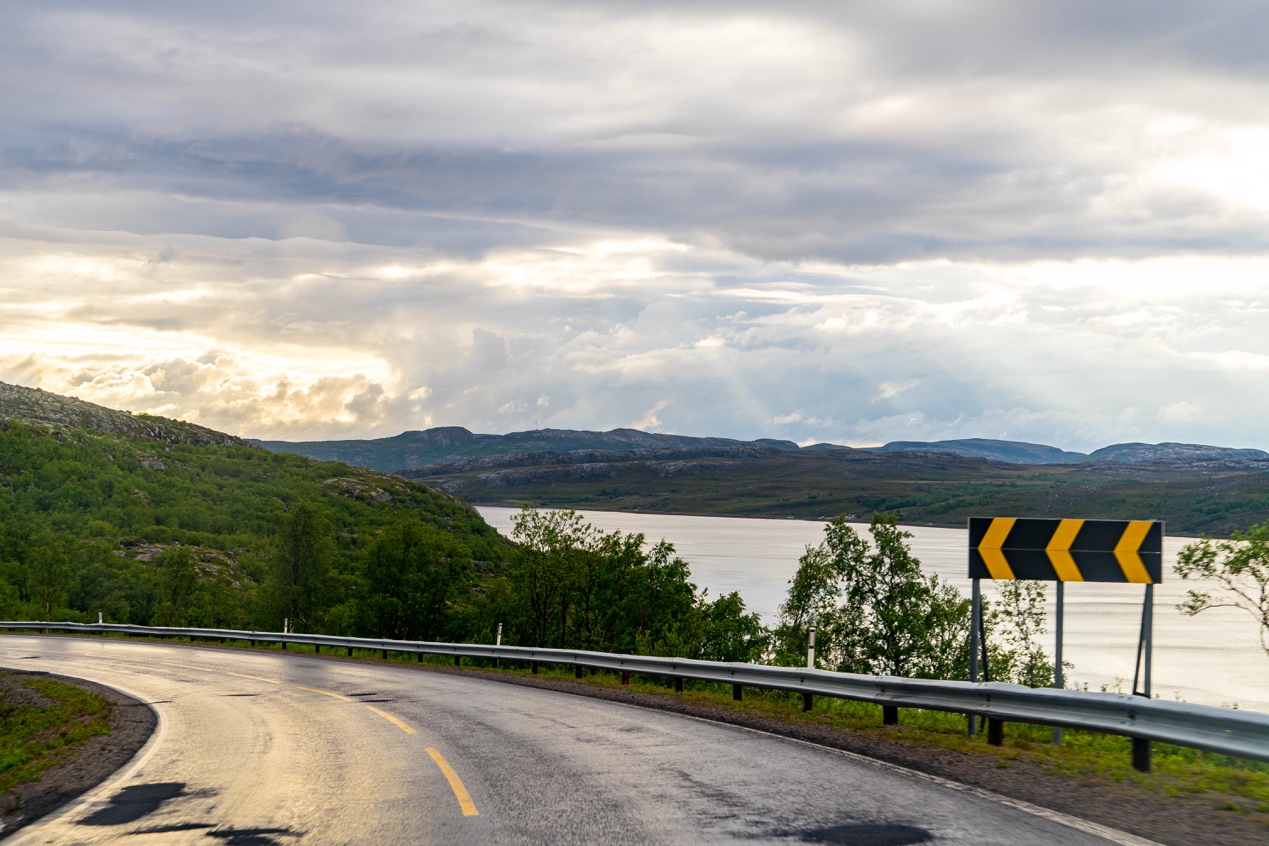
(32, 405)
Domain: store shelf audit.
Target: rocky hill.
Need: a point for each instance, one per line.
(1011, 452)
(1137, 452)
(451, 444)
(32, 405)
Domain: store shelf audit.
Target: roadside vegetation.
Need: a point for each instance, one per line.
(42, 722)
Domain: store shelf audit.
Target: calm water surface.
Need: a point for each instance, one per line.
(1214, 658)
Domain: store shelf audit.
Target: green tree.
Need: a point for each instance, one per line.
(873, 608)
(48, 570)
(178, 579)
(1019, 619)
(413, 574)
(549, 546)
(299, 566)
(729, 633)
(1236, 572)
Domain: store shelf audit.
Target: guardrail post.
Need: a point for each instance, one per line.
(458, 660)
(317, 649)
(283, 644)
(995, 732)
(577, 671)
(678, 684)
(890, 715)
(533, 666)
(385, 654)
(737, 692)
(808, 701)
(419, 655)
(1141, 754)
(625, 677)
(350, 652)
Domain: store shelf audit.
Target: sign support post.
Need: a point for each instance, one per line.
(1058, 680)
(975, 632)
(1145, 644)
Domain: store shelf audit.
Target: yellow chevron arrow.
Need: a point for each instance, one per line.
(990, 546)
(1126, 552)
(1059, 551)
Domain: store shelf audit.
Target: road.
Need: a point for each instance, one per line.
(259, 748)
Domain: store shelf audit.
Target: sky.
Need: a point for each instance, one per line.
(845, 222)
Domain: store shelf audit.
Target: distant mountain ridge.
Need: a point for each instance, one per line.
(456, 445)
(1012, 452)
(452, 445)
(1136, 452)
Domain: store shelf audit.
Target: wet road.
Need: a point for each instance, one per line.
(261, 748)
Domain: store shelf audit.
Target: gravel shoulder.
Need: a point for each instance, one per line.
(132, 723)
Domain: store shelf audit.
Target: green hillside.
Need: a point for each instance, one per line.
(88, 514)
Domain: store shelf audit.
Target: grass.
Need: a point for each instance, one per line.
(34, 737)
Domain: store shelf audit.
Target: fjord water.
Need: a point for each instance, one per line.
(1213, 659)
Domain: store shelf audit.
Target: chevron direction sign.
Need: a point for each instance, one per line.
(1053, 550)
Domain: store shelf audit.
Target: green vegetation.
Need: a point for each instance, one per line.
(42, 721)
(152, 532)
(222, 535)
(873, 609)
(572, 585)
(1239, 568)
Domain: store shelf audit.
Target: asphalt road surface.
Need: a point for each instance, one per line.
(259, 748)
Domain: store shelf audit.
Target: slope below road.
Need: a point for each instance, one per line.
(278, 749)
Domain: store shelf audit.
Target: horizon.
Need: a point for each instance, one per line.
(680, 434)
(817, 224)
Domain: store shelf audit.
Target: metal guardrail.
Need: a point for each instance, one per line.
(1239, 733)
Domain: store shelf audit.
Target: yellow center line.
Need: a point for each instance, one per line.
(392, 720)
(455, 784)
(324, 693)
(257, 678)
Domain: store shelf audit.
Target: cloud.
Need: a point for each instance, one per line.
(856, 222)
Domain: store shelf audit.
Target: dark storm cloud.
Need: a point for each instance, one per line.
(535, 114)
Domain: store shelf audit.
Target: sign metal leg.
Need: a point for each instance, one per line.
(975, 633)
(1145, 646)
(1058, 678)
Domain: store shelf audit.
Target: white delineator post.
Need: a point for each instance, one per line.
(808, 700)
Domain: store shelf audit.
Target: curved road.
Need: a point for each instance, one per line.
(259, 748)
